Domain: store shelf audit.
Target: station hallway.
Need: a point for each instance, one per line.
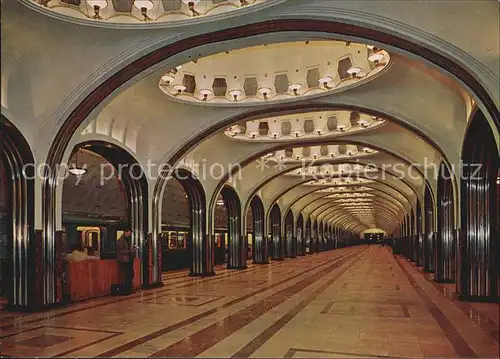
(353, 302)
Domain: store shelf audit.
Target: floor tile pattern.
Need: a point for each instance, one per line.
(359, 302)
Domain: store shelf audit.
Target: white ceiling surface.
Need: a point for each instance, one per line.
(49, 66)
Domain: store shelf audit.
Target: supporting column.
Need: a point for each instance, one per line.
(429, 240)
(24, 268)
(260, 248)
(479, 239)
(446, 251)
(237, 241)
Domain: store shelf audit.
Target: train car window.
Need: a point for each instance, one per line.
(218, 240)
(90, 240)
(182, 240)
(172, 240)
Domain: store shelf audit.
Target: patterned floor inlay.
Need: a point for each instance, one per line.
(43, 341)
(357, 302)
(190, 301)
(310, 353)
(367, 309)
(53, 340)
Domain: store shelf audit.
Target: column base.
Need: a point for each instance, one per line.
(25, 309)
(231, 267)
(444, 281)
(479, 299)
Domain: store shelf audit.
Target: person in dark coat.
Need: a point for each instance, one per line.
(125, 256)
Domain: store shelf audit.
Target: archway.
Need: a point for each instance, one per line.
(328, 235)
(320, 245)
(221, 252)
(445, 258)
(249, 233)
(21, 287)
(237, 249)
(429, 234)
(184, 241)
(260, 250)
(314, 237)
(291, 242)
(412, 238)
(301, 236)
(308, 236)
(406, 235)
(175, 227)
(277, 239)
(334, 236)
(106, 191)
(479, 243)
(418, 244)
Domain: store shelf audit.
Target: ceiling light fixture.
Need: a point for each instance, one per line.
(295, 88)
(75, 168)
(191, 4)
(280, 155)
(235, 130)
(274, 129)
(144, 6)
(235, 94)
(97, 5)
(297, 153)
(179, 89)
(376, 57)
(363, 123)
(220, 202)
(333, 150)
(354, 71)
(252, 129)
(167, 79)
(342, 127)
(325, 81)
(205, 93)
(265, 91)
(316, 152)
(298, 127)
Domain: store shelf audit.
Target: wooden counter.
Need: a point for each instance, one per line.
(93, 278)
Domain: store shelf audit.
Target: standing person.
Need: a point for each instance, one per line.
(125, 256)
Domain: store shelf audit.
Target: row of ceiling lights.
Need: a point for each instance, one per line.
(315, 153)
(143, 5)
(320, 127)
(355, 71)
(333, 169)
(337, 181)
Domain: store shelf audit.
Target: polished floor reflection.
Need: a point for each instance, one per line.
(351, 302)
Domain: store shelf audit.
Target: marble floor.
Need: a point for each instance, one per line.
(351, 302)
